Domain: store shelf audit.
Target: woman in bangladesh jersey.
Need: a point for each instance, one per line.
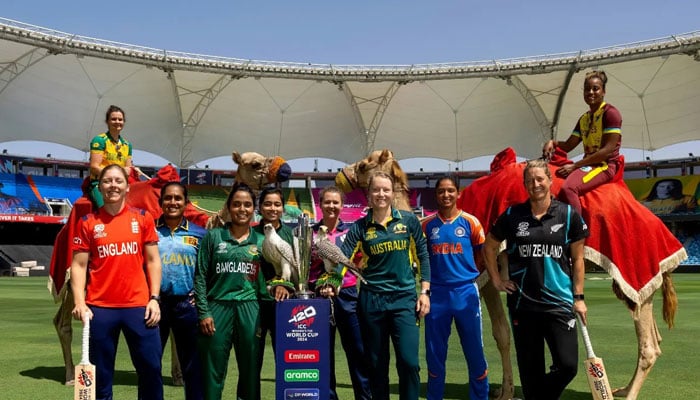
(227, 285)
(600, 130)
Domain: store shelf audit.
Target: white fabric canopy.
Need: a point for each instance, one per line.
(186, 108)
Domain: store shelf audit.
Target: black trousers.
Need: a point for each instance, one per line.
(531, 330)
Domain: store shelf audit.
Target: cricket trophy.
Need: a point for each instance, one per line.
(304, 235)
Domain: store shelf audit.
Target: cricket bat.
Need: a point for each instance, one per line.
(594, 369)
(85, 372)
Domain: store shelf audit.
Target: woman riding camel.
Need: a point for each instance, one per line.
(600, 131)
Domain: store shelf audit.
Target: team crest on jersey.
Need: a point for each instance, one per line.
(400, 228)
(522, 229)
(76, 240)
(221, 248)
(253, 250)
(371, 234)
(95, 145)
(435, 234)
(134, 226)
(190, 240)
(460, 231)
(555, 228)
(99, 231)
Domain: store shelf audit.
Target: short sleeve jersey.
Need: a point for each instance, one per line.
(112, 152)
(337, 236)
(389, 252)
(227, 270)
(592, 127)
(116, 247)
(178, 255)
(451, 244)
(539, 257)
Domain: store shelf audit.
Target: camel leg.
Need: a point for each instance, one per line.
(648, 338)
(62, 321)
(175, 369)
(501, 333)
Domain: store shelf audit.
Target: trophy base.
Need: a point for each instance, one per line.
(304, 294)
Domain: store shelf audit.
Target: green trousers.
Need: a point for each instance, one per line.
(384, 316)
(236, 323)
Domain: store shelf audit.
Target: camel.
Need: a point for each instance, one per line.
(357, 175)
(254, 169)
(637, 269)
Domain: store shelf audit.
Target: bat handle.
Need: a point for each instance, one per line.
(85, 356)
(586, 338)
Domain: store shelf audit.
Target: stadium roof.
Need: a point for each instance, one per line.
(55, 87)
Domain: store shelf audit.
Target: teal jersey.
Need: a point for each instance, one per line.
(389, 252)
(178, 255)
(268, 270)
(227, 269)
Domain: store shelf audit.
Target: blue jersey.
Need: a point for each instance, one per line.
(178, 255)
(451, 244)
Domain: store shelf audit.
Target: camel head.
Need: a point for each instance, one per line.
(256, 170)
(357, 175)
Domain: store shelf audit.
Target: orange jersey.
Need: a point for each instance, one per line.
(116, 247)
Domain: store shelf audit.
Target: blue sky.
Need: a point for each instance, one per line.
(364, 32)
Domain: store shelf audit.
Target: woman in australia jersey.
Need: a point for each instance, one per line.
(544, 243)
(109, 148)
(600, 130)
(113, 245)
(392, 244)
(227, 285)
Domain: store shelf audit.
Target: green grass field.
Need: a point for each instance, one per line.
(31, 365)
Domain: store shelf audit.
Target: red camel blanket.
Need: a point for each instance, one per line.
(627, 240)
(142, 194)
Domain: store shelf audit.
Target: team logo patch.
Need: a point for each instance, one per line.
(555, 228)
(253, 250)
(435, 234)
(221, 248)
(76, 240)
(460, 231)
(134, 226)
(99, 231)
(371, 234)
(95, 145)
(190, 240)
(400, 228)
(523, 229)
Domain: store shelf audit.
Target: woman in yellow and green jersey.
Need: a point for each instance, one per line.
(109, 148)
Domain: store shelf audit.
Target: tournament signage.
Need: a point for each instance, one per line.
(302, 359)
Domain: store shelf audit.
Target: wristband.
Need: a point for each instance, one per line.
(154, 297)
(579, 296)
(425, 292)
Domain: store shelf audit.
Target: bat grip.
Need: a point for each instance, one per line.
(85, 356)
(586, 338)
